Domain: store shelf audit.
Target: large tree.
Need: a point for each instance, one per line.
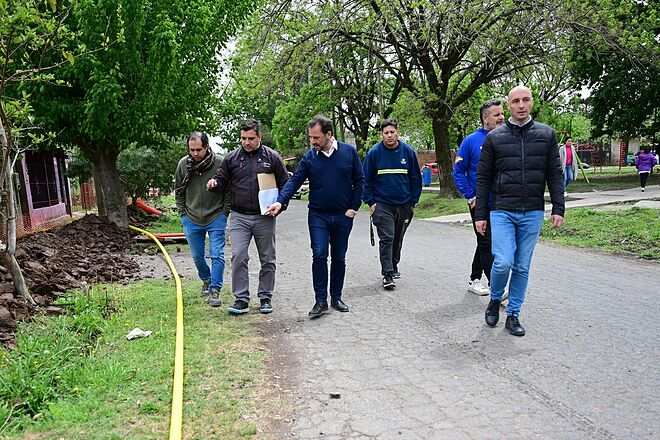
(617, 57)
(153, 75)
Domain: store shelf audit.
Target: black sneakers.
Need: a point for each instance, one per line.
(388, 282)
(318, 310)
(266, 306)
(238, 308)
(493, 312)
(513, 325)
(213, 298)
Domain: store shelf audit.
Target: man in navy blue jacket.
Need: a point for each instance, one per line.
(335, 188)
(465, 177)
(393, 185)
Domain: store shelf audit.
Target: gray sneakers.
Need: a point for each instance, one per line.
(213, 298)
(205, 288)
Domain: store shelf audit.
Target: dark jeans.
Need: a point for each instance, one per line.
(328, 232)
(482, 262)
(391, 222)
(642, 179)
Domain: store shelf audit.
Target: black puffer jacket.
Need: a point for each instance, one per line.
(516, 162)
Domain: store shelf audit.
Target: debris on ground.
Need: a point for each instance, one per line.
(87, 251)
(138, 333)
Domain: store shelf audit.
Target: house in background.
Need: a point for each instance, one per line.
(44, 193)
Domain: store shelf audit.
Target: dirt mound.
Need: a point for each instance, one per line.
(89, 250)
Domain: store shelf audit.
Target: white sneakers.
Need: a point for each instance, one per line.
(477, 288)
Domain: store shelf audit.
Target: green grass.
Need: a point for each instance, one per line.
(435, 205)
(633, 231)
(77, 377)
(610, 181)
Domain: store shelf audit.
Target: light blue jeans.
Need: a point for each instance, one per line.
(196, 236)
(514, 235)
(568, 175)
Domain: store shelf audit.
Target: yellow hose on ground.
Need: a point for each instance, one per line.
(176, 417)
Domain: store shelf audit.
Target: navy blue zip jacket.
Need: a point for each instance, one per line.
(335, 182)
(392, 176)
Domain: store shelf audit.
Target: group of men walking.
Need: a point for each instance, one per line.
(501, 169)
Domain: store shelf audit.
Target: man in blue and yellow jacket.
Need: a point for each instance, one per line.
(491, 114)
(393, 184)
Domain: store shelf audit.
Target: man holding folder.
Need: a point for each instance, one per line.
(254, 174)
(335, 190)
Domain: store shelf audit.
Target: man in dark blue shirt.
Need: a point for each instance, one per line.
(335, 188)
(393, 185)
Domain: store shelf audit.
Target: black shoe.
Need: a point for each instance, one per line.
(238, 308)
(513, 325)
(493, 312)
(318, 310)
(388, 282)
(266, 306)
(396, 275)
(205, 288)
(213, 298)
(339, 305)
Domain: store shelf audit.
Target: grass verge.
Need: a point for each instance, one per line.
(610, 181)
(77, 377)
(635, 231)
(435, 205)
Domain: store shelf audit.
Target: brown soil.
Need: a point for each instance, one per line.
(89, 250)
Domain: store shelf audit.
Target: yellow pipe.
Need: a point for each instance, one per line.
(176, 417)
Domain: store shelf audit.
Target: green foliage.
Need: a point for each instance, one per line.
(143, 168)
(620, 63)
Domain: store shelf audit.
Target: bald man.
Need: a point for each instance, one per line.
(517, 160)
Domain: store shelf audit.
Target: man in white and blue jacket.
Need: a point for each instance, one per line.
(393, 185)
(491, 114)
(335, 189)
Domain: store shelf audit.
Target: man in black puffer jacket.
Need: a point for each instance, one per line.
(517, 160)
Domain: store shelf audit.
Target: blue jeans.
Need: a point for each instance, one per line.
(514, 235)
(568, 175)
(196, 236)
(328, 231)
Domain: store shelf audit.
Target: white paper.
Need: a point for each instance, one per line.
(266, 198)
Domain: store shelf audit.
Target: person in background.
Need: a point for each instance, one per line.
(569, 163)
(644, 161)
(491, 114)
(202, 214)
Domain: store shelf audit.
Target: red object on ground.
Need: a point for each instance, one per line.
(169, 234)
(140, 204)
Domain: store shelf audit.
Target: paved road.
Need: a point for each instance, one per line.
(418, 363)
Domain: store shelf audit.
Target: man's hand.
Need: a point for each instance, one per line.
(481, 226)
(212, 183)
(351, 213)
(372, 208)
(556, 220)
(274, 209)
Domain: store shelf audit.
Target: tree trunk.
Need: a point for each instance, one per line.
(440, 126)
(9, 210)
(109, 191)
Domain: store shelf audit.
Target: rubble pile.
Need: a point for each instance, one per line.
(87, 251)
